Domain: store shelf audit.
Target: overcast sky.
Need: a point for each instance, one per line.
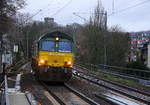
(133, 19)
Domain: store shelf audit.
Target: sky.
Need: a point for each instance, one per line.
(136, 18)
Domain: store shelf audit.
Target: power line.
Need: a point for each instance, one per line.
(119, 11)
(79, 16)
(59, 10)
(83, 13)
(37, 13)
(47, 6)
(122, 10)
(125, 9)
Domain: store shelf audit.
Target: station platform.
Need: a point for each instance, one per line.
(14, 96)
(18, 99)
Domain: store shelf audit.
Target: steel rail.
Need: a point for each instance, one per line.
(53, 95)
(86, 99)
(82, 96)
(121, 92)
(108, 99)
(121, 69)
(30, 98)
(123, 86)
(116, 67)
(130, 77)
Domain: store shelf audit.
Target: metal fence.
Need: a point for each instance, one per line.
(128, 73)
(141, 74)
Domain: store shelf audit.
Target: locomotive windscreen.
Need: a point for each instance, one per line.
(48, 46)
(65, 47)
(61, 46)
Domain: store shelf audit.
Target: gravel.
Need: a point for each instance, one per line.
(88, 89)
(29, 83)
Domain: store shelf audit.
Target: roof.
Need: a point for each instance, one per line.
(56, 34)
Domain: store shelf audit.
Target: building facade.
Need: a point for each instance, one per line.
(139, 46)
(49, 21)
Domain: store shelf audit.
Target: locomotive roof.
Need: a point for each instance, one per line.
(56, 34)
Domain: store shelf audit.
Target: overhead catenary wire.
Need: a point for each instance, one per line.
(60, 9)
(79, 16)
(130, 7)
(39, 11)
(119, 11)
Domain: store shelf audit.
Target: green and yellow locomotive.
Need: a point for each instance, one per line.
(53, 57)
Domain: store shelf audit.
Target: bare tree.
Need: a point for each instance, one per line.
(8, 9)
(92, 37)
(99, 45)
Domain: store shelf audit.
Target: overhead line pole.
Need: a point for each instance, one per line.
(1, 50)
(105, 47)
(105, 28)
(113, 7)
(130, 7)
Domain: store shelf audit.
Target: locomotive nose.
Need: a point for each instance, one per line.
(55, 61)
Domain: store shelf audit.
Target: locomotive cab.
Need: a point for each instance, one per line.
(55, 57)
(56, 53)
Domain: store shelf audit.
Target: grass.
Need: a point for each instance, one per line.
(112, 78)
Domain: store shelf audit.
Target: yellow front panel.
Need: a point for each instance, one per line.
(56, 59)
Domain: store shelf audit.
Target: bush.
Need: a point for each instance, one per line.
(137, 65)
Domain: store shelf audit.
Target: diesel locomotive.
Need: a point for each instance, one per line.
(53, 57)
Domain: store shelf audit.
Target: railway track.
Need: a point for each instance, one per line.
(121, 85)
(55, 96)
(111, 100)
(127, 91)
(120, 72)
(66, 95)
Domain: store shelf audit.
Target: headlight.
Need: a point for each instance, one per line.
(41, 62)
(68, 64)
(57, 38)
